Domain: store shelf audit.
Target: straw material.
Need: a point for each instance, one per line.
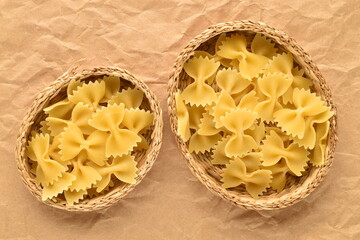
(296, 188)
(56, 92)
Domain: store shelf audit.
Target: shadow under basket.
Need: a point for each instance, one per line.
(296, 188)
(56, 92)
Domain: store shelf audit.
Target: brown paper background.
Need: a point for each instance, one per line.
(40, 39)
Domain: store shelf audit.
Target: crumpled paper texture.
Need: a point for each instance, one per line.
(40, 39)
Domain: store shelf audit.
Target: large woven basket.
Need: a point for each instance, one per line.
(209, 174)
(56, 92)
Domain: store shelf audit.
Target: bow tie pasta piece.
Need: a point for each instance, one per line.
(124, 169)
(80, 116)
(235, 47)
(262, 46)
(207, 125)
(62, 184)
(309, 109)
(137, 119)
(255, 182)
(72, 197)
(223, 61)
(309, 139)
(223, 105)
(183, 127)
(86, 176)
(317, 155)
(73, 85)
(73, 143)
(203, 54)
(131, 97)
(279, 171)
(272, 86)
(201, 144)
(88, 93)
(200, 69)
(237, 121)
(47, 170)
(231, 81)
(283, 63)
(60, 109)
(112, 87)
(120, 141)
(218, 154)
(273, 151)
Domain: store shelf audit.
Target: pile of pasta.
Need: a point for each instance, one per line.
(88, 140)
(254, 112)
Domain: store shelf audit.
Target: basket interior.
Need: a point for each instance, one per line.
(61, 94)
(203, 161)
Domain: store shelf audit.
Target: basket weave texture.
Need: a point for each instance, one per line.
(56, 92)
(200, 164)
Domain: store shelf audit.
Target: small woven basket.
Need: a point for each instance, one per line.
(56, 92)
(200, 164)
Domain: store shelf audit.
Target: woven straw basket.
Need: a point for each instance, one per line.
(296, 188)
(56, 92)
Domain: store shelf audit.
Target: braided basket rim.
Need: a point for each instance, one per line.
(296, 193)
(108, 199)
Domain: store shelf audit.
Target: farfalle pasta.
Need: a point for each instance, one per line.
(251, 108)
(89, 137)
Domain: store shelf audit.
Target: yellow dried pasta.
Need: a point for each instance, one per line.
(88, 93)
(60, 109)
(200, 69)
(80, 116)
(260, 121)
(124, 169)
(57, 187)
(73, 197)
(218, 154)
(251, 64)
(273, 151)
(73, 142)
(273, 86)
(317, 155)
(237, 121)
(87, 137)
(182, 113)
(283, 63)
(130, 97)
(231, 81)
(309, 109)
(119, 141)
(223, 105)
(279, 172)
(255, 182)
(47, 170)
